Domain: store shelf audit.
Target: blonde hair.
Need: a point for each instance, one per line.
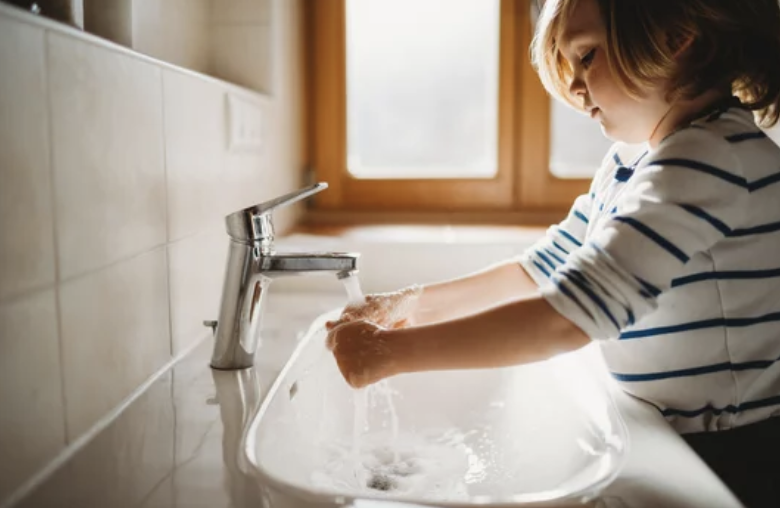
(722, 44)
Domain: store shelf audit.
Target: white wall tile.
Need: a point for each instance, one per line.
(241, 54)
(110, 19)
(31, 421)
(195, 138)
(26, 222)
(115, 334)
(197, 269)
(232, 12)
(175, 31)
(108, 154)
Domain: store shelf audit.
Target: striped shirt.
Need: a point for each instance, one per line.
(672, 263)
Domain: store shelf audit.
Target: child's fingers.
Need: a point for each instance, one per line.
(401, 324)
(330, 342)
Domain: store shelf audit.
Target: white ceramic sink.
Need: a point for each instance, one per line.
(536, 434)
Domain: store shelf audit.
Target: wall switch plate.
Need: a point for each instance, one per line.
(246, 125)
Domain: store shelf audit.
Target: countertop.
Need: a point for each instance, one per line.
(175, 445)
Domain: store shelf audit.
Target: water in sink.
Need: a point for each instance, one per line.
(525, 434)
(387, 462)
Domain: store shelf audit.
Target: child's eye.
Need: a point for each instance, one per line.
(588, 58)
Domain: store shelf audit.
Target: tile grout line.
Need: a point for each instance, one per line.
(166, 206)
(169, 275)
(47, 64)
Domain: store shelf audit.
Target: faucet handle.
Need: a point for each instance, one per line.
(254, 223)
(289, 198)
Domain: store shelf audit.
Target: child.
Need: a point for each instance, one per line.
(670, 262)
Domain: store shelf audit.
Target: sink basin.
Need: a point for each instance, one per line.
(537, 434)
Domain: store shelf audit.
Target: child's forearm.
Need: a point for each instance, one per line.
(473, 293)
(521, 331)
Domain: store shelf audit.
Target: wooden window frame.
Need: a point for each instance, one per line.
(523, 184)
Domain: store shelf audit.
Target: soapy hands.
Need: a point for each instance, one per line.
(388, 310)
(356, 339)
(362, 353)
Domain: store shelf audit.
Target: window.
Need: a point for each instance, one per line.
(433, 106)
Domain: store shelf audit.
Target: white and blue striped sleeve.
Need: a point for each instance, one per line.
(551, 251)
(690, 194)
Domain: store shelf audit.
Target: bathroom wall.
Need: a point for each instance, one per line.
(175, 31)
(227, 39)
(116, 171)
(239, 41)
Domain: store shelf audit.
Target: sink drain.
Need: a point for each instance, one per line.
(382, 482)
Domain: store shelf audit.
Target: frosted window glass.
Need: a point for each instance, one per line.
(577, 145)
(422, 88)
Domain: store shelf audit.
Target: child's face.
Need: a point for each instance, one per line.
(623, 118)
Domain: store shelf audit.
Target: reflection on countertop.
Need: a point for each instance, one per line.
(179, 444)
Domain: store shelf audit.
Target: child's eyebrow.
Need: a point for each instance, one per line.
(568, 40)
(570, 37)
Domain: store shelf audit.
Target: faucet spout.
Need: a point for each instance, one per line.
(301, 263)
(250, 271)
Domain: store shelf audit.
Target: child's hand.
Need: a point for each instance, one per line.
(361, 353)
(388, 310)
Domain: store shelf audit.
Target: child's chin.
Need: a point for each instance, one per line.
(618, 135)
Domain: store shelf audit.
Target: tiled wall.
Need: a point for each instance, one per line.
(115, 176)
(241, 32)
(228, 39)
(176, 31)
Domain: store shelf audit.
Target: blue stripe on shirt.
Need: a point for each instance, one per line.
(554, 255)
(569, 237)
(593, 281)
(704, 168)
(757, 230)
(654, 291)
(557, 246)
(745, 136)
(716, 223)
(546, 260)
(695, 371)
(745, 406)
(723, 228)
(538, 265)
(763, 182)
(698, 325)
(565, 291)
(579, 280)
(726, 275)
(580, 216)
(658, 239)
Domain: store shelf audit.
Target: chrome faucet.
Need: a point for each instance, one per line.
(251, 267)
